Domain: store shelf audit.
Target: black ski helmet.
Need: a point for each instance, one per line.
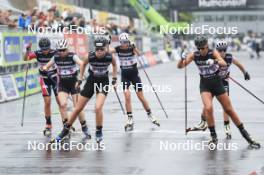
(44, 43)
(100, 41)
(200, 41)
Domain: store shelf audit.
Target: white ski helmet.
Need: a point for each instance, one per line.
(221, 45)
(62, 44)
(123, 37)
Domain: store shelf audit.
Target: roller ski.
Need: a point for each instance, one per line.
(252, 143)
(212, 144)
(153, 120)
(47, 131)
(130, 124)
(228, 132)
(63, 137)
(87, 134)
(202, 126)
(99, 137)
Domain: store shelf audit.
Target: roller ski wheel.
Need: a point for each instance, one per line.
(202, 126)
(228, 136)
(47, 131)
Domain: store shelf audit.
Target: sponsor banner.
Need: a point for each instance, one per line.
(32, 82)
(163, 56)
(150, 57)
(11, 47)
(78, 43)
(9, 87)
(2, 92)
(26, 39)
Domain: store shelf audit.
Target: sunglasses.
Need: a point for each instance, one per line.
(201, 48)
(124, 42)
(99, 48)
(221, 50)
(62, 50)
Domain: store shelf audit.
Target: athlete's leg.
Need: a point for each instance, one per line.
(143, 100)
(100, 99)
(63, 98)
(128, 104)
(207, 99)
(228, 108)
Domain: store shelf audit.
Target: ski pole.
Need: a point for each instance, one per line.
(236, 82)
(153, 88)
(24, 97)
(123, 110)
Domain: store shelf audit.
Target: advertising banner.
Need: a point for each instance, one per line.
(78, 43)
(2, 92)
(11, 47)
(32, 82)
(9, 87)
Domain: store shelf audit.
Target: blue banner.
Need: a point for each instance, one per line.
(12, 49)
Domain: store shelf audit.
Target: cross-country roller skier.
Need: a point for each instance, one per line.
(224, 72)
(47, 79)
(208, 61)
(97, 83)
(127, 54)
(66, 63)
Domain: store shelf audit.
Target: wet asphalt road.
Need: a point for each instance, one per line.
(141, 151)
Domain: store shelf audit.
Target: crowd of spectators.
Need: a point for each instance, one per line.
(55, 19)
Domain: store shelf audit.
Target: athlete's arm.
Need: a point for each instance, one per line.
(219, 59)
(114, 66)
(112, 50)
(242, 68)
(184, 62)
(49, 64)
(85, 62)
(136, 51)
(81, 64)
(29, 55)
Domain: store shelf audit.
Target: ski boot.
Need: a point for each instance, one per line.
(98, 137)
(63, 136)
(213, 143)
(87, 134)
(130, 124)
(228, 132)
(153, 119)
(202, 126)
(252, 143)
(47, 130)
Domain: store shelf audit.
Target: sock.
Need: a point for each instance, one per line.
(203, 118)
(48, 120)
(148, 111)
(84, 126)
(212, 131)
(64, 121)
(99, 128)
(129, 114)
(241, 127)
(226, 122)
